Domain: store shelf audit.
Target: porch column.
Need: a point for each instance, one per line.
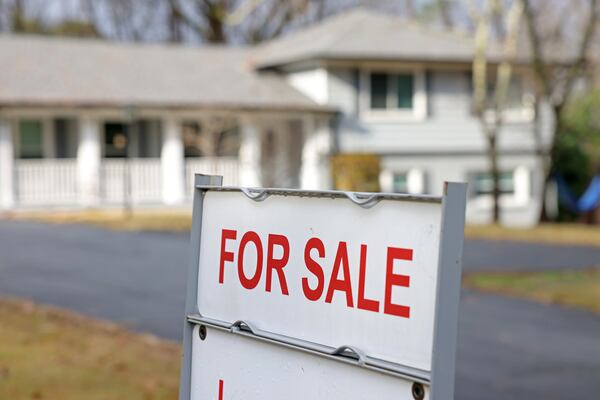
(172, 163)
(7, 165)
(315, 171)
(88, 162)
(250, 153)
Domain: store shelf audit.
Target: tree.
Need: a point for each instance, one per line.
(557, 76)
(249, 21)
(490, 109)
(125, 20)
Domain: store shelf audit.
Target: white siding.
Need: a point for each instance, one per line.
(522, 209)
(311, 82)
(448, 144)
(449, 126)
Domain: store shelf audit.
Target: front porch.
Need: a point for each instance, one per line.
(74, 159)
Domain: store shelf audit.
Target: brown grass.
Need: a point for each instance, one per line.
(47, 353)
(151, 220)
(573, 288)
(568, 234)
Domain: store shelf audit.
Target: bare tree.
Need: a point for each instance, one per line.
(224, 21)
(129, 20)
(445, 11)
(490, 109)
(215, 136)
(557, 76)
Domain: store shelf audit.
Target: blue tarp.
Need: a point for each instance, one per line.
(588, 201)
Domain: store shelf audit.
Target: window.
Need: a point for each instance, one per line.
(379, 88)
(484, 185)
(217, 137)
(146, 139)
(31, 144)
(404, 90)
(141, 139)
(400, 183)
(191, 139)
(514, 94)
(65, 138)
(413, 181)
(391, 91)
(115, 140)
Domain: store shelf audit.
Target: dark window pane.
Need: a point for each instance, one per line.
(405, 90)
(30, 139)
(65, 138)
(148, 138)
(379, 87)
(115, 140)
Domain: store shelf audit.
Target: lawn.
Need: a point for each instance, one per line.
(568, 234)
(181, 221)
(46, 353)
(573, 288)
(147, 220)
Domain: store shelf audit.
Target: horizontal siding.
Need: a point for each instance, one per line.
(449, 126)
(445, 168)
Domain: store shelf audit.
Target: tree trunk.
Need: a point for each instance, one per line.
(18, 16)
(548, 159)
(495, 174)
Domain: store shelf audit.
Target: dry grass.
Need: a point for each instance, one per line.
(47, 353)
(152, 220)
(574, 288)
(181, 221)
(571, 234)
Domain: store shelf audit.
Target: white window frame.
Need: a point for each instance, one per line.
(516, 115)
(520, 197)
(415, 180)
(418, 112)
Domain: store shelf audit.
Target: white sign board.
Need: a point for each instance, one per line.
(230, 366)
(312, 272)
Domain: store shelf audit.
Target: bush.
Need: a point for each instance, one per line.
(574, 165)
(356, 172)
(578, 152)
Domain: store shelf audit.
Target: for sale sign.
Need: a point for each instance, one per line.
(322, 294)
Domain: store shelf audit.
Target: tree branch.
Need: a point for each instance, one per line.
(581, 61)
(539, 64)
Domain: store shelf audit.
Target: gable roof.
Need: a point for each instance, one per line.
(366, 34)
(39, 70)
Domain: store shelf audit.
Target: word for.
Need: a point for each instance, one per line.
(314, 253)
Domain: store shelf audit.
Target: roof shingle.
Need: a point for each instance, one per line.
(42, 70)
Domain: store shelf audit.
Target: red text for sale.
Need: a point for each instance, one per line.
(234, 244)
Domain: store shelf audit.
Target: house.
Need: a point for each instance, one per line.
(91, 123)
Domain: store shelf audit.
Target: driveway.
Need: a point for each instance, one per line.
(507, 349)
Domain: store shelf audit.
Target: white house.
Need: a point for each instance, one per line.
(84, 123)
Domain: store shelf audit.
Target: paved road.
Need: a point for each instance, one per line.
(493, 255)
(507, 348)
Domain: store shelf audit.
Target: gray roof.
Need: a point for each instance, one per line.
(365, 34)
(49, 71)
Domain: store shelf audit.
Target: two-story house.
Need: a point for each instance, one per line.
(89, 123)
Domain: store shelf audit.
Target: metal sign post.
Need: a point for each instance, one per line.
(322, 295)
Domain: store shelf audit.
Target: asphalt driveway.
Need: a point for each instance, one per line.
(508, 348)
